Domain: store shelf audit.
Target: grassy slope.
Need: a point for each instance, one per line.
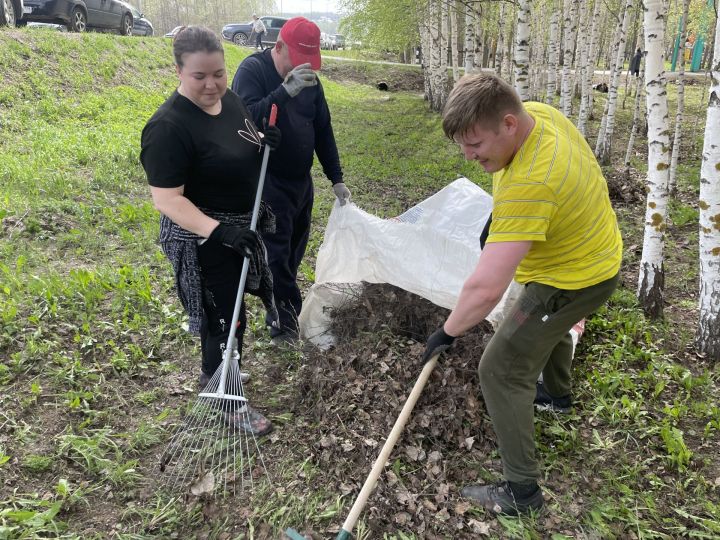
(94, 360)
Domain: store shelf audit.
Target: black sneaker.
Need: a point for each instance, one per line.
(545, 402)
(499, 499)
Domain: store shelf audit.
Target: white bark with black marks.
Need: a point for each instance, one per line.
(708, 335)
(521, 59)
(680, 112)
(607, 135)
(651, 281)
(570, 31)
(553, 56)
(588, 70)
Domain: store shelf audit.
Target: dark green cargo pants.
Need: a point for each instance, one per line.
(534, 337)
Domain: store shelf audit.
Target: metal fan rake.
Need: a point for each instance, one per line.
(210, 451)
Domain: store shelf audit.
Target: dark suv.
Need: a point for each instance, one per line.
(11, 12)
(239, 33)
(79, 15)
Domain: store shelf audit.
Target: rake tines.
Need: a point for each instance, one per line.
(210, 451)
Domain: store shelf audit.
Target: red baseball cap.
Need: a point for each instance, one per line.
(302, 38)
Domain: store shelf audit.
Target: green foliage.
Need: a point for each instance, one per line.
(383, 25)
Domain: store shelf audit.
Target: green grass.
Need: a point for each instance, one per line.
(95, 364)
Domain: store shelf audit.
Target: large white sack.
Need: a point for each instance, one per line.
(430, 250)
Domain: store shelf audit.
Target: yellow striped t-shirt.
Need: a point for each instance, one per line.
(553, 193)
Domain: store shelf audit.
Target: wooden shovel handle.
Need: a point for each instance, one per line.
(387, 448)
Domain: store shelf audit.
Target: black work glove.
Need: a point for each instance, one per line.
(437, 343)
(244, 241)
(273, 136)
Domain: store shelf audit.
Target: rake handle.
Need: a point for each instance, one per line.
(246, 263)
(392, 439)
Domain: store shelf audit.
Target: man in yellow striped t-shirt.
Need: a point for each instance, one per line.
(554, 231)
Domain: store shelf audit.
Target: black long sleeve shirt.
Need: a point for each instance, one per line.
(304, 120)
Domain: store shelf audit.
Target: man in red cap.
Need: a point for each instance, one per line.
(285, 75)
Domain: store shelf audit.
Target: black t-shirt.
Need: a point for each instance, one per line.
(216, 158)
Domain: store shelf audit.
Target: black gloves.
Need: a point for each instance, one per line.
(437, 343)
(244, 241)
(272, 137)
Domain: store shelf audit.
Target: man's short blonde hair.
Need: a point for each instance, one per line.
(479, 99)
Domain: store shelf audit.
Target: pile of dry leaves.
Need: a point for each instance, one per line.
(356, 391)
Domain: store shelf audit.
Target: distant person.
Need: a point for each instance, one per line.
(259, 29)
(284, 75)
(202, 155)
(635, 62)
(554, 231)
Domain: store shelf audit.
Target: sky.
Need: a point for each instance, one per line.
(305, 6)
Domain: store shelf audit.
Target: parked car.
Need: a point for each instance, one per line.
(324, 40)
(141, 26)
(80, 15)
(11, 12)
(171, 33)
(239, 33)
(336, 41)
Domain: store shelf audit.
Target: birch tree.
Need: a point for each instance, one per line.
(607, 135)
(479, 38)
(651, 281)
(472, 39)
(570, 30)
(708, 334)
(453, 39)
(500, 46)
(553, 55)
(680, 97)
(521, 59)
(636, 121)
(588, 70)
(509, 42)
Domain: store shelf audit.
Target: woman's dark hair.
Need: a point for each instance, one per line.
(192, 39)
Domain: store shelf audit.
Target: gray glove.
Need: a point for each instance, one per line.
(299, 78)
(341, 192)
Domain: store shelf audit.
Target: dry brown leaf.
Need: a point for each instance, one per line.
(203, 485)
(462, 507)
(479, 527)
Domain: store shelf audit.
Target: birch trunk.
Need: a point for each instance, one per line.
(509, 42)
(442, 71)
(479, 40)
(521, 59)
(500, 47)
(554, 56)
(580, 44)
(680, 98)
(612, 53)
(589, 70)
(651, 281)
(636, 121)
(708, 334)
(452, 37)
(471, 43)
(570, 30)
(606, 146)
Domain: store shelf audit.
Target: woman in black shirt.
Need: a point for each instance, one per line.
(202, 156)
